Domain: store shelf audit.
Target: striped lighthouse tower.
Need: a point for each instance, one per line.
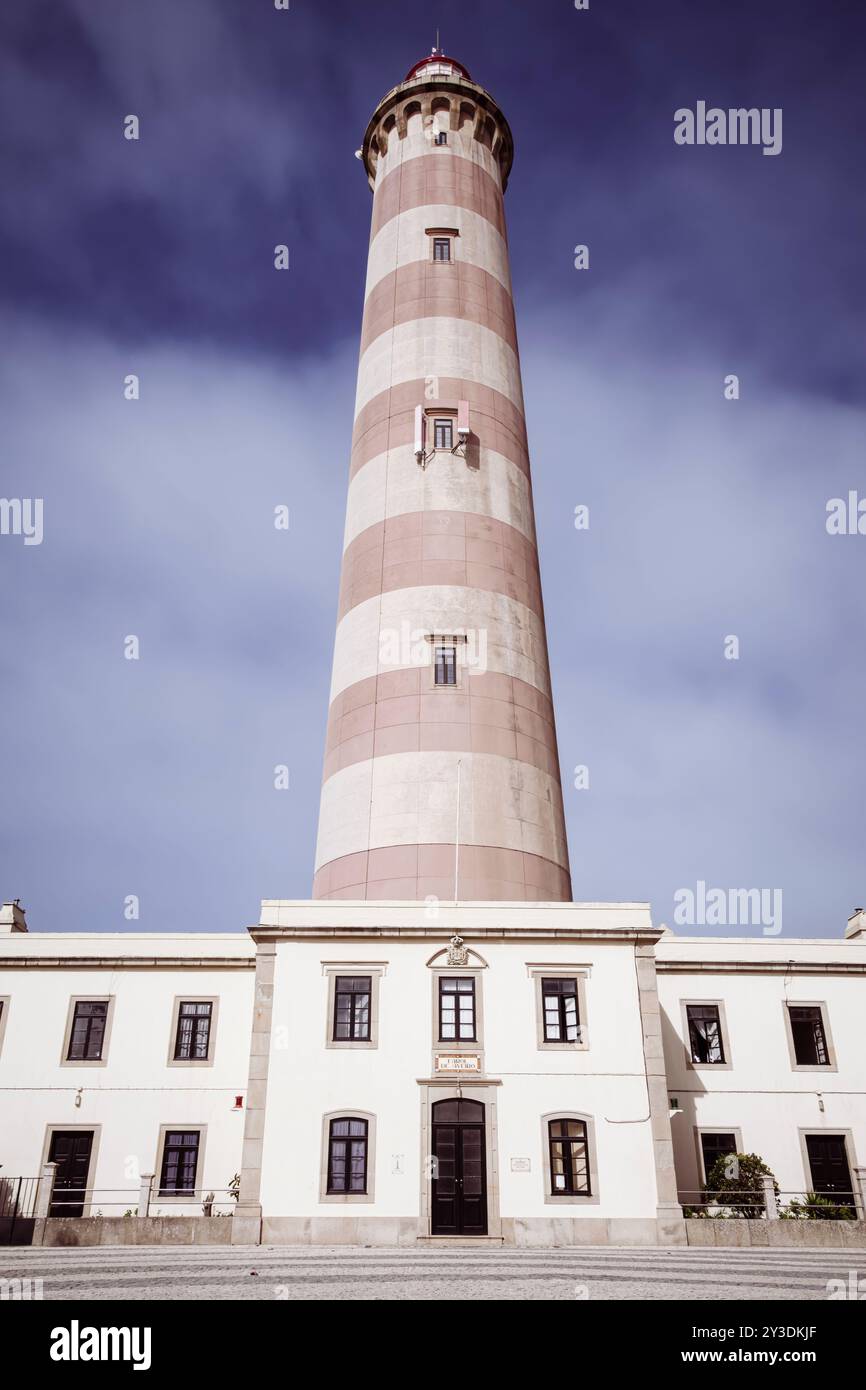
(441, 774)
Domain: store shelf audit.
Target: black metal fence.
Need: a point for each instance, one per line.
(18, 1204)
(788, 1205)
(17, 1209)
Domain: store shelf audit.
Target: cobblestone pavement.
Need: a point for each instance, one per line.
(253, 1272)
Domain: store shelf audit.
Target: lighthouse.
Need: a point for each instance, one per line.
(441, 774)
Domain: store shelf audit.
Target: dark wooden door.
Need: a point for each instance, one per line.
(70, 1150)
(459, 1203)
(828, 1162)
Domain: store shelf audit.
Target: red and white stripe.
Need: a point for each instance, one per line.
(449, 547)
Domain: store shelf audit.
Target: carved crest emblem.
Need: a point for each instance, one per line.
(458, 954)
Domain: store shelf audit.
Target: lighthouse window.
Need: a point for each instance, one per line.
(441, 248)
(443, 434)
(445, 666)
(441, 137)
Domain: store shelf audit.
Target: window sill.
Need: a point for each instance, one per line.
(345, 1198)
(570, 1199)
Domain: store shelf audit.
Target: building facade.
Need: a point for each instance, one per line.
(440, 1045)
(394, 1073)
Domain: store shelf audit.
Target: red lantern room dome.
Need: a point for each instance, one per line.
(438, 64)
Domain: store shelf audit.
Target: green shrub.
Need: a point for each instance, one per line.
(734, 1182)
(815, 1206)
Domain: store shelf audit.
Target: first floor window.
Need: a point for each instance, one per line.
(810, 1040)
(828, 1167)
(561, 1018)
(87, 1034)
(179, 1162)
(569, 1158)
(714, 1146)
(445, 666)
(192, 1040)
(347, 1155)
(352, 1008)
(457, 1009)
(705, 1034)
(443, 433)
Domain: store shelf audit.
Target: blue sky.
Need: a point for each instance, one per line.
(155, 777)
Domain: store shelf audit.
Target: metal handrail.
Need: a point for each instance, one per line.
(787, 1201)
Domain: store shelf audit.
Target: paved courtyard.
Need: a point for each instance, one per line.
(193, 1272)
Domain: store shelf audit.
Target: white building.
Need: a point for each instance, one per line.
(785, 1075)
(323, 1057)
(375, 1065)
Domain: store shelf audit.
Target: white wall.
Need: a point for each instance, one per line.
(136, 1091)
(761, 1095)
(306, 1079)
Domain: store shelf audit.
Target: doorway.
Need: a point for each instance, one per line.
(70, 1150)
(828, 1166)
(459, 1197)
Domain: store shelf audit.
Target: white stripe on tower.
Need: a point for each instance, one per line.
(440, 549)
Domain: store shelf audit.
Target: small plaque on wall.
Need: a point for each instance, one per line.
(521, 1165)
(452, 1061)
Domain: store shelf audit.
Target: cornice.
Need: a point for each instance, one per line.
(469, 933)
(127, 962)
(763, 967)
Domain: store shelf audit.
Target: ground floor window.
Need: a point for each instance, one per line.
(179, 1162)
(714, 1146)
(347, 1155)
(569, 1158)
(828, 1168)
